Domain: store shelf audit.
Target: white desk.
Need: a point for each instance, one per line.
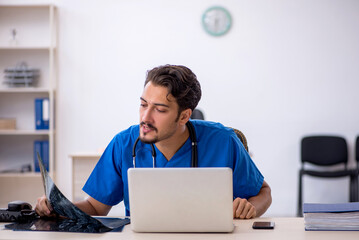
(286, 228)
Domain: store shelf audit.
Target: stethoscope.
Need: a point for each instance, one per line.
(192, 136)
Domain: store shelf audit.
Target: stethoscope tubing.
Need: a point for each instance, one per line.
(194, 156)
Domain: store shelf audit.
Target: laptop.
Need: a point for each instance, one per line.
(181, 199)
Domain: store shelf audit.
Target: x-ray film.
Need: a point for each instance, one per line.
(72, 218)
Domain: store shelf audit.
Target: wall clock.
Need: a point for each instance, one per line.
(216, 21)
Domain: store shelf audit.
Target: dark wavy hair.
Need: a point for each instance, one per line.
(181, 83)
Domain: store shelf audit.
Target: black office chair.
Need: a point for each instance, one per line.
(197, 114)
(356, 182)
(326, 151)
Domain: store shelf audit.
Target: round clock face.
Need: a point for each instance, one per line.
(216, 21)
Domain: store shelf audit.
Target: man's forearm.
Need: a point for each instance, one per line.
(262, 201)
(93, 207)
(86, 207)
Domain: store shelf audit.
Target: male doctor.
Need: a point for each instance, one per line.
(170, 94)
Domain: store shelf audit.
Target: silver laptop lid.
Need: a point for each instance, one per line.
(181, 199)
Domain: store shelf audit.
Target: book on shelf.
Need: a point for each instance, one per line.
(7, 123)
(331, 216)
(41, 147)
(42, 113)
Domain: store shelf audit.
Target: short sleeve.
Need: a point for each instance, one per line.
(247, 179)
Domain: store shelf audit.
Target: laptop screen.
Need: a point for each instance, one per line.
(181, 199)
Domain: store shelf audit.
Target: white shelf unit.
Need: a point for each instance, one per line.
(82, 166)
(35, 43)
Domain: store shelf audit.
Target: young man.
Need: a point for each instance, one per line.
(170, 95)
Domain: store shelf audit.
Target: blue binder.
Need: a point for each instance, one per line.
(42, 110)
(45, 154)
(45, 113)
(41, 147)
(330, 207)
(37, 149)
(38, 114)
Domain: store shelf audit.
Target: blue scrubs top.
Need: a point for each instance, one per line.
(218, 146)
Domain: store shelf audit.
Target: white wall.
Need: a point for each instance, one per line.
(286, 69)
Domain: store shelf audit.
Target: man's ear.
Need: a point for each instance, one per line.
(185, 116)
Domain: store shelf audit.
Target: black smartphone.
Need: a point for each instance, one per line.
(263, 225)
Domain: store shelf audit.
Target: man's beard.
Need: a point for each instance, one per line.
(148, 141)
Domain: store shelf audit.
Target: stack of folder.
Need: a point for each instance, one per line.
(331, 217)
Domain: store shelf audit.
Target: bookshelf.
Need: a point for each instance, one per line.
(28, 33)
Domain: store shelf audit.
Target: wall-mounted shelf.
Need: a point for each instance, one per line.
(26, 132)
(25, 90)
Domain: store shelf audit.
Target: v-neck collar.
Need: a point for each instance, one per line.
(178, 159)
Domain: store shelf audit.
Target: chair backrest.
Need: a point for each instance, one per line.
(324, 150)
(357, 149)
(197, 114)
(241, 137)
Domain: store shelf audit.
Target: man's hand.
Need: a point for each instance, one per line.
(90, 206)
(255, 206)
(243, 209)
(43, 207)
